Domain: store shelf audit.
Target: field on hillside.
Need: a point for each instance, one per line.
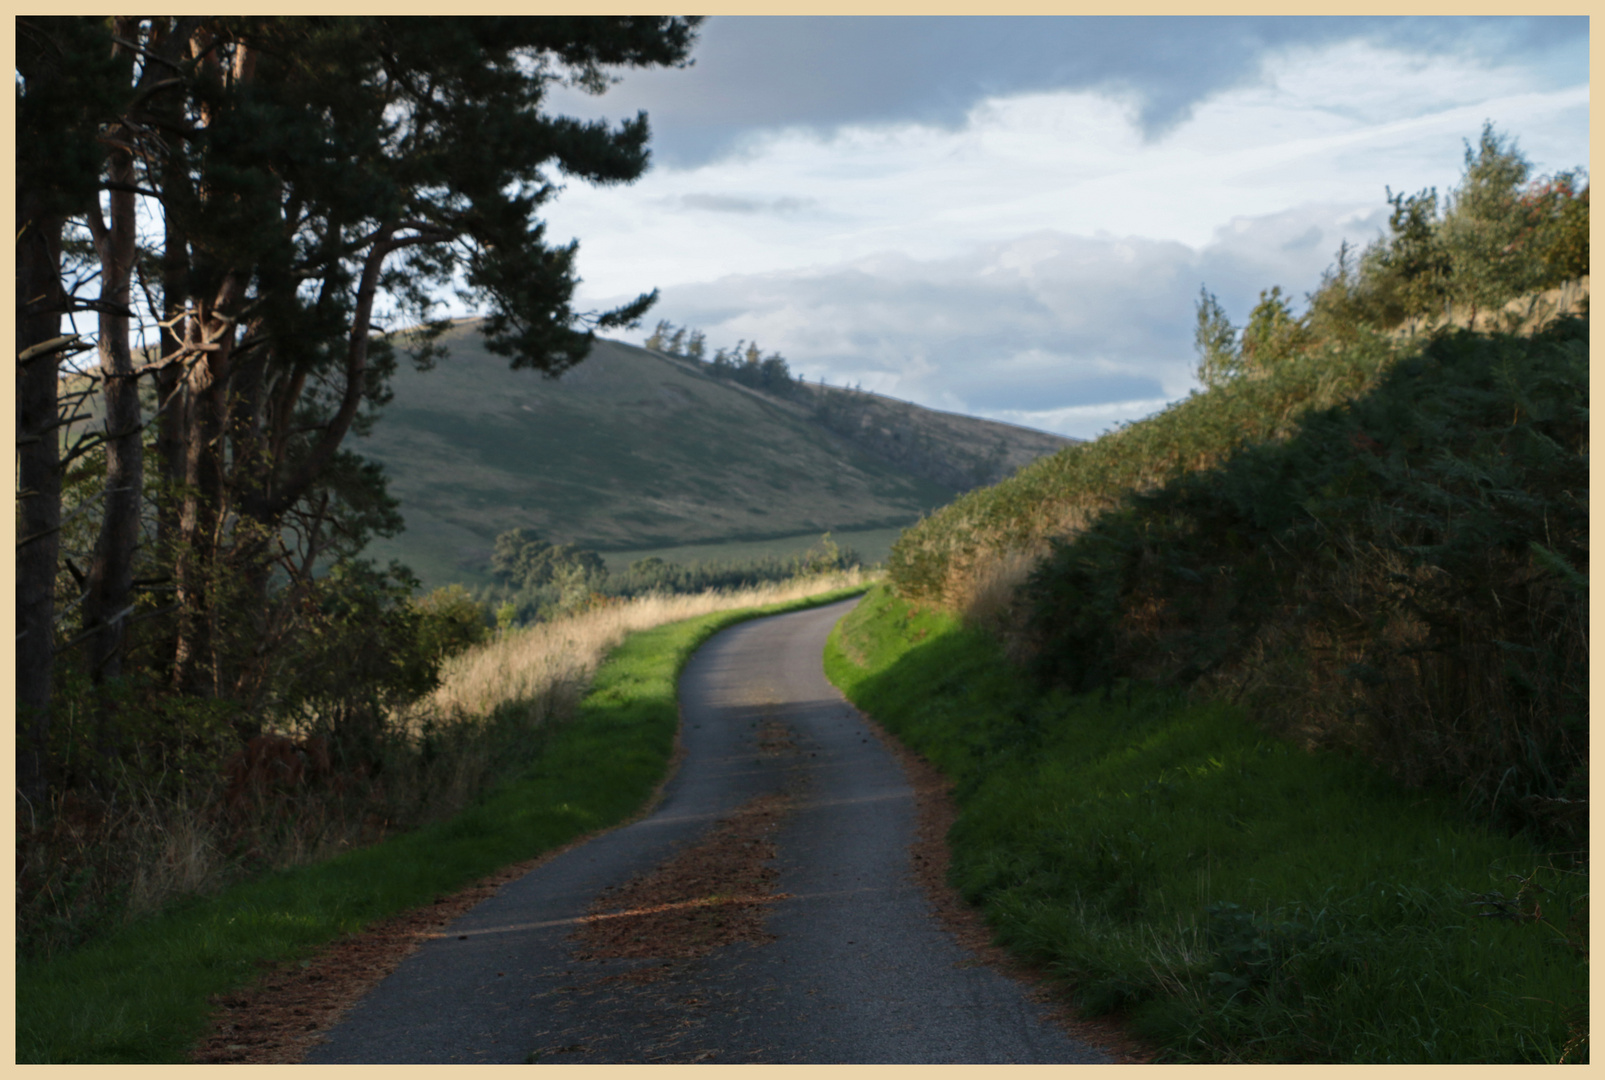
(872, 546)
(634, 453)
(624, 452)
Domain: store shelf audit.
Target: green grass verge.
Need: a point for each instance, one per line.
(140, 995)
(1238, 898)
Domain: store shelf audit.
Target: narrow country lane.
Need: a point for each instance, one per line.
(766, 912)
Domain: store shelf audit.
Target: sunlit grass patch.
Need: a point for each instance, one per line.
(1239, 898)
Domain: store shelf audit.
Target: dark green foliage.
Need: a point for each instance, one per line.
(69, 79)
(1216, 341)
(745, 363)
(522, 560)
(363, 652)
(656, 575)
(1562, 211)
(1411, 273)
(350, 649)
(169, 742)
(1273, 334)
(1497, 236)
(1413, 549)
(451, 620)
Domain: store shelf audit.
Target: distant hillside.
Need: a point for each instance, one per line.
(956, 451)
(634, 450)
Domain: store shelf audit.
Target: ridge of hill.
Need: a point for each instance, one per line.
(634, 450)
(952, 449)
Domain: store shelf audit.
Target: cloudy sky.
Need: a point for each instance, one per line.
(1013, 217)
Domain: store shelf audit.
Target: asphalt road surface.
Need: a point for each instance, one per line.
(848, 963)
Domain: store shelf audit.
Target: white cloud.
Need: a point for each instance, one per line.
(1040, 262)
(1081, 421)
(1048, 329)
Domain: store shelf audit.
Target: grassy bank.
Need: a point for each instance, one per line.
(1240, 899)
(140, 994)
(1404, 576)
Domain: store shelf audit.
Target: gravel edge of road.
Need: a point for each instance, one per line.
(935, 812)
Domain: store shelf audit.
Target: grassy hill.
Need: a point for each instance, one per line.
(633, 451)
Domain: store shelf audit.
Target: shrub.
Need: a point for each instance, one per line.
(1399, 577)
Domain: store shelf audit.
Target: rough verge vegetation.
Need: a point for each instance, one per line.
(1235, 898)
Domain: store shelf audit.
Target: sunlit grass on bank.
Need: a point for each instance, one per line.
(1237, 898)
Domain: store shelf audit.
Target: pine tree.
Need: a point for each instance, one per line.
(1486, 234)
(315, 181)
(1216, 340)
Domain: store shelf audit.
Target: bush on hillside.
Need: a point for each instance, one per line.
(522, 560)
(1404, 576)
(1377, 541)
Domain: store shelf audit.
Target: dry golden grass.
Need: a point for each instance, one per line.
(548, 665)
(987, 595)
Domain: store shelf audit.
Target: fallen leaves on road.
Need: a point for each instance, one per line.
(711, 894)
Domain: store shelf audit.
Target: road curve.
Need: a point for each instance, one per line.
(854, 967)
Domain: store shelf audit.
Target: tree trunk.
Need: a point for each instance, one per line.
(111, 574)
(39, 306)
(198, 521)
(199, 573)
(171, 393)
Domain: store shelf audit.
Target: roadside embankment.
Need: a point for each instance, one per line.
(1237, 898)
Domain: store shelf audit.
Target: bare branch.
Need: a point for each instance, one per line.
(66, 343)
(114, 185)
